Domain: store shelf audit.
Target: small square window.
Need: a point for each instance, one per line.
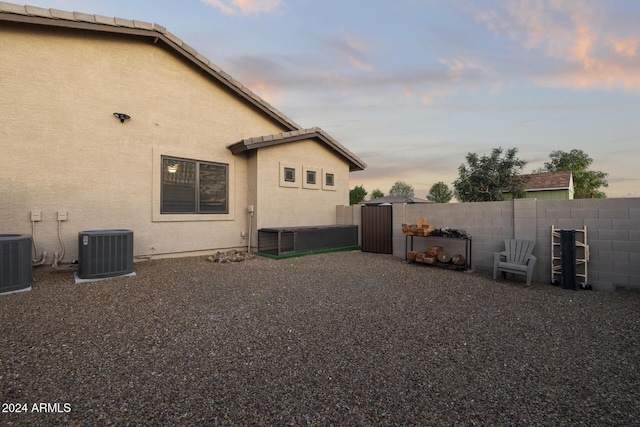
(311, 177)
(289, 174)
(329, 179)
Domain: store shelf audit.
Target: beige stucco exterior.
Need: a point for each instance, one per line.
(280, 206)
(64, 151)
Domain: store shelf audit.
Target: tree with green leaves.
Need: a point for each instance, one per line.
(357, 195)
(440, 193)
(490, 178)
(376, 194)
(401, 188)
(586, 183)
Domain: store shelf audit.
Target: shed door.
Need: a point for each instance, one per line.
(377, 229)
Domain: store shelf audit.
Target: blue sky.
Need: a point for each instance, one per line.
(412, 86)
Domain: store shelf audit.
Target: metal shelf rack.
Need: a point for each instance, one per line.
(582, 254)
(408, 246)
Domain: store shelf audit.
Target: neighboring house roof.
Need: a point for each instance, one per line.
(548, 181)
(355, 163)
(395, 199)
(58, 18)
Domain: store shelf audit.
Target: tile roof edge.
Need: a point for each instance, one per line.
(13, 8)
(284, 137)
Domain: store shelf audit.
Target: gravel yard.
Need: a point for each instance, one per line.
(336, 339)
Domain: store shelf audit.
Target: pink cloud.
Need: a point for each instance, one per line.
(576, 34)
(267, 91)
(232, 7)
(355, 50)
(626, 47)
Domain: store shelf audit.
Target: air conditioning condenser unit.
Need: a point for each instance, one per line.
(105, 253)
(15, 263)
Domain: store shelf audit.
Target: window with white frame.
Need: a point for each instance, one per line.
(194, 187)
(289, 175)
(328, 180)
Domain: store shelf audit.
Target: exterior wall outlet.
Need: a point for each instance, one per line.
(62, 216)
(36, 216)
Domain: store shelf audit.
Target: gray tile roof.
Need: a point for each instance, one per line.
(316, 133)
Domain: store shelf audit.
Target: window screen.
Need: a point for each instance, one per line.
(329, 179)
(289, 174)
(191, 186)
(311, 177)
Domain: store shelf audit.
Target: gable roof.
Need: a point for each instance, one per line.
(548, 181)
(355, 163)
(157, 33)
(154, 32)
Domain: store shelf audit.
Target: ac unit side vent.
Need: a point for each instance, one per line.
(105, 253)
(15, 263)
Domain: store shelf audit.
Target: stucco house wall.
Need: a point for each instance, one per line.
(281, 205)
(64, 151)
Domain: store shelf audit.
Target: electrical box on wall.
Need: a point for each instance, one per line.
(36, 216)
(62, 216)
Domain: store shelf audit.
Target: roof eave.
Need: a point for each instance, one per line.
(547, 189)
(355, 164)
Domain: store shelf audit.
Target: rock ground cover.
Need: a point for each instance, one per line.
(335, 339)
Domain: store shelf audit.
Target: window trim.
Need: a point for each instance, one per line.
(325, 185)
(296, 171)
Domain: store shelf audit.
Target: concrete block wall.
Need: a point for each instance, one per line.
(613, 236)
(350, 215)
(613, 232)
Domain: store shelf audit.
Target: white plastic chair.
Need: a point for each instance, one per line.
(517, 258)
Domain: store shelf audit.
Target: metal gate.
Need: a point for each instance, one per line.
(377, 229)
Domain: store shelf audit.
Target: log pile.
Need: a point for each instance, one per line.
(421, 228)
(436, 254)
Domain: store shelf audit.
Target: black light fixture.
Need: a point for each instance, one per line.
(121, 116)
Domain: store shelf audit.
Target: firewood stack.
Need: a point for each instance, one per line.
(419, 229)
(436, 254)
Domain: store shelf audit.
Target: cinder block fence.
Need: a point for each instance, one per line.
(613, 232)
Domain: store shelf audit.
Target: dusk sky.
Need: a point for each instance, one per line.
(412, 86)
